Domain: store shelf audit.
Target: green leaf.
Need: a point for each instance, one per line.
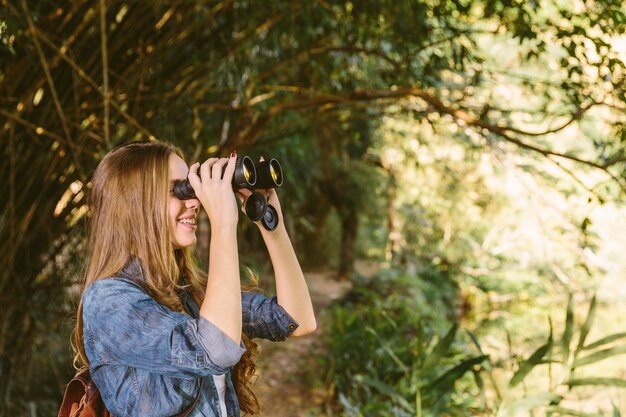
(389, 351)
(584, 331)
(616, 412)
(350, 409)
(598, 356)
(572, 413)
(528, 365)
(569, 326)
(615, 382)
(487, 365)
(440, 349)
(523, 406)
(445, 383)
(605, 340)
(418, 403)
(385, 389)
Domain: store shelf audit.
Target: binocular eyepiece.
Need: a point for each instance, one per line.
(267, 174)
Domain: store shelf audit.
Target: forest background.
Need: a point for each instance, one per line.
(474, 152)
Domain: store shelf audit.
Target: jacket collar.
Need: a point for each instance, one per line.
(133, 269)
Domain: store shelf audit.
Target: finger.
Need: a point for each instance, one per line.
(218, 168)
(261, 159)
(205, 168)
(272, 196)
(230, 167)
(240, 197)
(243, 194)
(193, 176)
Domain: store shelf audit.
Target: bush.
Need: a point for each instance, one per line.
(393, 351)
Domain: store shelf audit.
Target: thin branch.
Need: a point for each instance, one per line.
(319, 50)
(12, 164)
(82, 74)
(576, 179)
(498, 130)
(105, 71)
(53, 91)
(37, 129)
(574, 116)
(397, 65)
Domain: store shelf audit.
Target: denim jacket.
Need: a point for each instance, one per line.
(148, 360)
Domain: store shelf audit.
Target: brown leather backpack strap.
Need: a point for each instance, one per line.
(188, 410)
(74, 392)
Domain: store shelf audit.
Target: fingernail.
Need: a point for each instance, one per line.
(233, 153)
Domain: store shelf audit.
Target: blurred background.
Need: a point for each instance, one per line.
(456, 168)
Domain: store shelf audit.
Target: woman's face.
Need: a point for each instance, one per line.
(181, 213)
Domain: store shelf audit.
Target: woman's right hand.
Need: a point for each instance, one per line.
(215, 190)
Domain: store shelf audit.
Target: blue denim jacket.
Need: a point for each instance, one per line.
(148, 360)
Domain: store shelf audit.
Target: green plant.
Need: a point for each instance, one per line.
(564, 359)
(393, 352)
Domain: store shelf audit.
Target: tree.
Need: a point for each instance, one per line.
(78, 78)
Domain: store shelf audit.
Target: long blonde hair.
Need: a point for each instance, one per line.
(130, 189)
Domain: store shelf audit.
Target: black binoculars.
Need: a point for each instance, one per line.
(264, 175)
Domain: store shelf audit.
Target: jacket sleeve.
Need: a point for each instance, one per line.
(123, 325)
(264, 318)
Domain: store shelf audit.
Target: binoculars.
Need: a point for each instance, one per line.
(264, 175)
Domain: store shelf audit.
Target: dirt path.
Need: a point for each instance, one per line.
(286, 369)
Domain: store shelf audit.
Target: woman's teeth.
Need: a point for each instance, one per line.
(187, 221)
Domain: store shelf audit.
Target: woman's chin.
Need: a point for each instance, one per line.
(185, 242)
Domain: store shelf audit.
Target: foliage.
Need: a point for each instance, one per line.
(392, 351)
(388, 356)
(564, 357)
(310, 81)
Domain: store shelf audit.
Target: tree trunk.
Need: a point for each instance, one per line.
(349, 226)
(394, 235)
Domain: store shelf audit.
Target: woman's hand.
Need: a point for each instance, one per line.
(215, 191)
(271, 196)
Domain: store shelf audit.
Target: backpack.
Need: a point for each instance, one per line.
(82, 398)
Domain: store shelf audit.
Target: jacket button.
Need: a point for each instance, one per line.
(292, 326)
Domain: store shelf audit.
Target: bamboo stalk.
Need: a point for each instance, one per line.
(105, 71)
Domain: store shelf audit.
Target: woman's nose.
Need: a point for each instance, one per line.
(192, 203)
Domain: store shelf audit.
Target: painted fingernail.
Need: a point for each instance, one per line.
(233, 153)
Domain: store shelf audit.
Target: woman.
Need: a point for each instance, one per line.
(155, 331)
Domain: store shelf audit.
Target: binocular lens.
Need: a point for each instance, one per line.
(270, 218)
(245, 173)
(270, 174)
(248, 170)
(256, 206)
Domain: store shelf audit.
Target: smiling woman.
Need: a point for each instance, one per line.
(182, 213)
(151, 326)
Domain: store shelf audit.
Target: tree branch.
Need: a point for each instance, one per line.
(37, 129)
(574, 116)
(53, 90)
(250, 133)
(82, 74)
(397, 65)
(105, 71)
